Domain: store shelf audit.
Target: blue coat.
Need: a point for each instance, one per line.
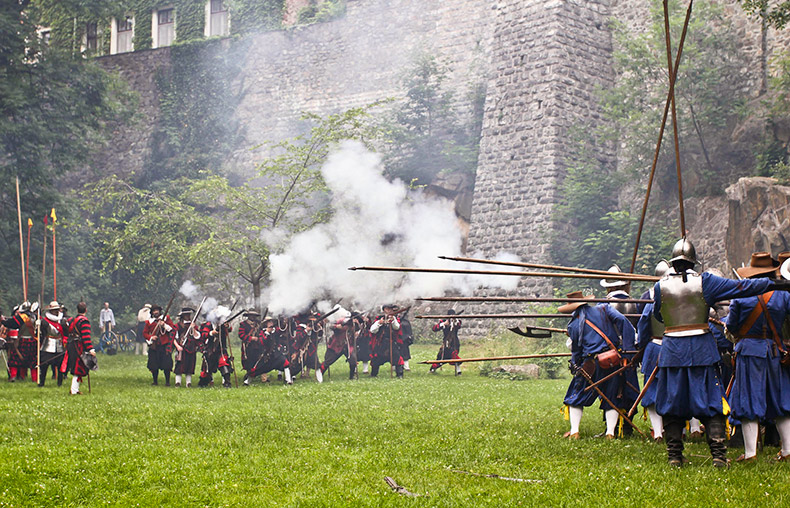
(689, 383)
(761, 390)
(586, 343)
(645, 336)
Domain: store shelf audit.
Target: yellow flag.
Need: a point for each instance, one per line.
(29, 222)
(54, 217)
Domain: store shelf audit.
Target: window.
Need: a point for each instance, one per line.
(216, 19)
(91, 37)
(124, 35)
(165, 29)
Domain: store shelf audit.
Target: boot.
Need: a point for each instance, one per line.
(717, 440)
(155, 374)
(399, 371)
(374, 370)
(673, 435)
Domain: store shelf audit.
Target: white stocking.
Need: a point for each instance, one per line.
(178, 379)
(189, 379)
(750, 429)
(783, 427)
(656, 421)
(695, 425)
(611, 421)
(576, 418)
(75, 385)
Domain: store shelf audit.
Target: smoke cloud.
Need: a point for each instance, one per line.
(374, 222)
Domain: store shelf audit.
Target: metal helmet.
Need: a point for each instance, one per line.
(614, 283)
(662, 268)
(684, 251)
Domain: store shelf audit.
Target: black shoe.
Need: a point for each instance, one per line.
(167, 383)
(155, 383)
(457, 373)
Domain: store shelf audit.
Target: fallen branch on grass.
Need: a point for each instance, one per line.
(397, 488)
(496, 476)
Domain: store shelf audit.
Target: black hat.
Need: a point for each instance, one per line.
(252, 312)
(186, 310)
(451, 312)
(156, 307)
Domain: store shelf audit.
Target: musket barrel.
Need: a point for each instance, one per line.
(648, 278)
(530, 299)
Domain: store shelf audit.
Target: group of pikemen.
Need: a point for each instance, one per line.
(712, 350)
(38, 342)
(286, 344)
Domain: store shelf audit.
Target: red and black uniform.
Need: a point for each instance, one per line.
(385, 344)
(79, 341)
(186, 358)
(304, 349)
(450, 343)
(16, 359)
(251, 347)
(341, 343)
(362, 329)
(214, 342)
(270, 357)
(54, 338)
(159, 335)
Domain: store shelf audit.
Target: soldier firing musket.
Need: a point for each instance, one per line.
(451, 345)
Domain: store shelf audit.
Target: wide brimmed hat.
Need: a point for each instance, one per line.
(784, 270)
(53, 305)
(781, 258)
(186, 310)
(568, 308)
(761, 263)
(614, 283)
(252, 312)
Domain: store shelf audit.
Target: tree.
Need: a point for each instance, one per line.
(223, 232)
(427, 134)
(710, 93)
(776, 14)
(55, 109)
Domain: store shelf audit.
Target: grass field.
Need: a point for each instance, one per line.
(129, 443)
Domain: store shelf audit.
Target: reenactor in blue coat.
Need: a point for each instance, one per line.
(650, 332)
(761, 391)
(689, 383)
(595, 331)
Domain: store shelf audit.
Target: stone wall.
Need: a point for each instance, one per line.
(547, 58)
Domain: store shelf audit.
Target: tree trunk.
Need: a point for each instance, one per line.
(256, 295)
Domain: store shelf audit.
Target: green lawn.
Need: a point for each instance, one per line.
(129, 443)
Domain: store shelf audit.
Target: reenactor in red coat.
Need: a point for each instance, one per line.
(158, 334)
(186, 344)
(79, 342)
(53, 333)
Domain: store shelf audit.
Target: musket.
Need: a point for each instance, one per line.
(530, 299)
(493, 358)
(191, 327)
(227, 342)
(164, 314)
(506, 316)
(609, 275)
(647, 278)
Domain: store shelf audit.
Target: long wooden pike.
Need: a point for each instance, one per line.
(670, 96)
(21, 243)
(561, 268)
(648, 278)
(505, 316)
(536, 299)
(496, 358)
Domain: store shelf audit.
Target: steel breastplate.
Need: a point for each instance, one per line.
(682, 303)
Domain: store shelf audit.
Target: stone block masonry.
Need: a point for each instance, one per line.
(547, 58)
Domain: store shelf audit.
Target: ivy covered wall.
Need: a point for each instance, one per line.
(68, 22)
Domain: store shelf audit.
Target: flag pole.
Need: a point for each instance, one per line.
(44, 257)
(54, 256)
(21, 243)
(27, 261)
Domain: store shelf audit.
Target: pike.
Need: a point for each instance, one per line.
(21, 243)
(227, 341)
(647, 278)
(54, 257)
(529, 331)
(496, 358)
(529, 299)
(44, 259)
(505, 316)
(27, 255)
(542, 266)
